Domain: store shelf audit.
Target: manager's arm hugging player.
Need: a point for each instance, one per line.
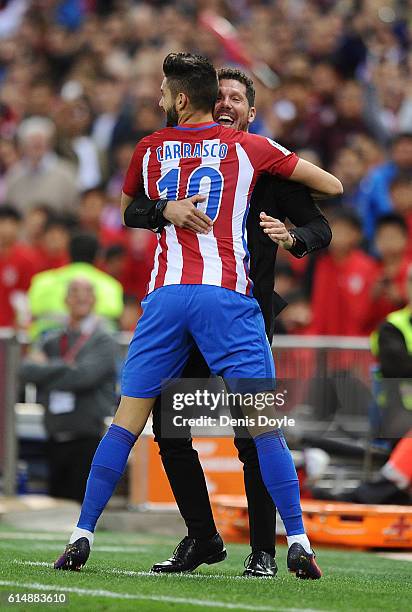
(200, 290)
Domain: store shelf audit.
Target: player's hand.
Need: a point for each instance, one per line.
(183, 213)
(276, 230)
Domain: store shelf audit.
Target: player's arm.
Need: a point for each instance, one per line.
(321, 183)
(156, 214)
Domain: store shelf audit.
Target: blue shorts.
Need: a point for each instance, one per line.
(228, 328)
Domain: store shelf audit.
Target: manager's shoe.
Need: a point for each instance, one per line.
(74, 557)
(302, 563)
(260, 564)
(190, 553)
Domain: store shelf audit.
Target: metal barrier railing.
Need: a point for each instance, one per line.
(298, 357)
(9, 363)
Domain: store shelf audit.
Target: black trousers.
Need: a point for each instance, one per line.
(69, 466)
(184, 471)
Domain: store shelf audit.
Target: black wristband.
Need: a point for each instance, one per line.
(157, 221)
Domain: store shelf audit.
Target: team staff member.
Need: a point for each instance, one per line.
(74, 370)
(279, 199)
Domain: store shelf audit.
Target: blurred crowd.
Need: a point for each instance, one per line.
(79, 86)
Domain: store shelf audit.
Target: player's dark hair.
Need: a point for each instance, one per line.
(9, 212)
(193, 75)
(234, 74)
(391, 219)
(83, 247)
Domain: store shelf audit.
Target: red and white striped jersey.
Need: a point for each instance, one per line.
(222, 164)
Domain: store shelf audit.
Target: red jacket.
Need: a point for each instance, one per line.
(341, 298)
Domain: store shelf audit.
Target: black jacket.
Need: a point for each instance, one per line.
(280, 199)
(395, 361)
(277, 197)
(396, 369)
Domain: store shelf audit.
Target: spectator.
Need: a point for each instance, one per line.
(74, 370)
(343, 281)
(349, 121)
(34, 223)
(92, 203)
(376, 187)
(114, 261)
(391, 344)
(388, 293)
(401, 200)
(349, 167)
(73, 120)
(16, 270)
(42, 98)
(394, 481)
(53, 251)
(107, 106)
(48, 289)
(40, 176)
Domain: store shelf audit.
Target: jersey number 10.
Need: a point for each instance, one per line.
(169, 183)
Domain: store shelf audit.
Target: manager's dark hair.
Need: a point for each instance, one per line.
(83, 247)
(194, 76)
(234, 74)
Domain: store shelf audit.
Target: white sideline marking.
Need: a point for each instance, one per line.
(205, 603)
(398, 556)
(120, 572)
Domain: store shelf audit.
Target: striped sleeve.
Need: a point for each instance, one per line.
(269, 156)
(133, 182)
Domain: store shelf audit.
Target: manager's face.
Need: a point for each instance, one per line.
(232, 107)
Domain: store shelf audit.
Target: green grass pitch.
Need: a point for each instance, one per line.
(116, 578)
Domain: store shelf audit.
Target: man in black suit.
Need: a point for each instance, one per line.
(273, 200)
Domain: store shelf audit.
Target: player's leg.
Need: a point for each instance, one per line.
(158, 351)
(229, 329)
(262, 512)
(185, 474)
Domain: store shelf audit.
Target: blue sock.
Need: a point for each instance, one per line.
(108, 465)
(280, 478)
